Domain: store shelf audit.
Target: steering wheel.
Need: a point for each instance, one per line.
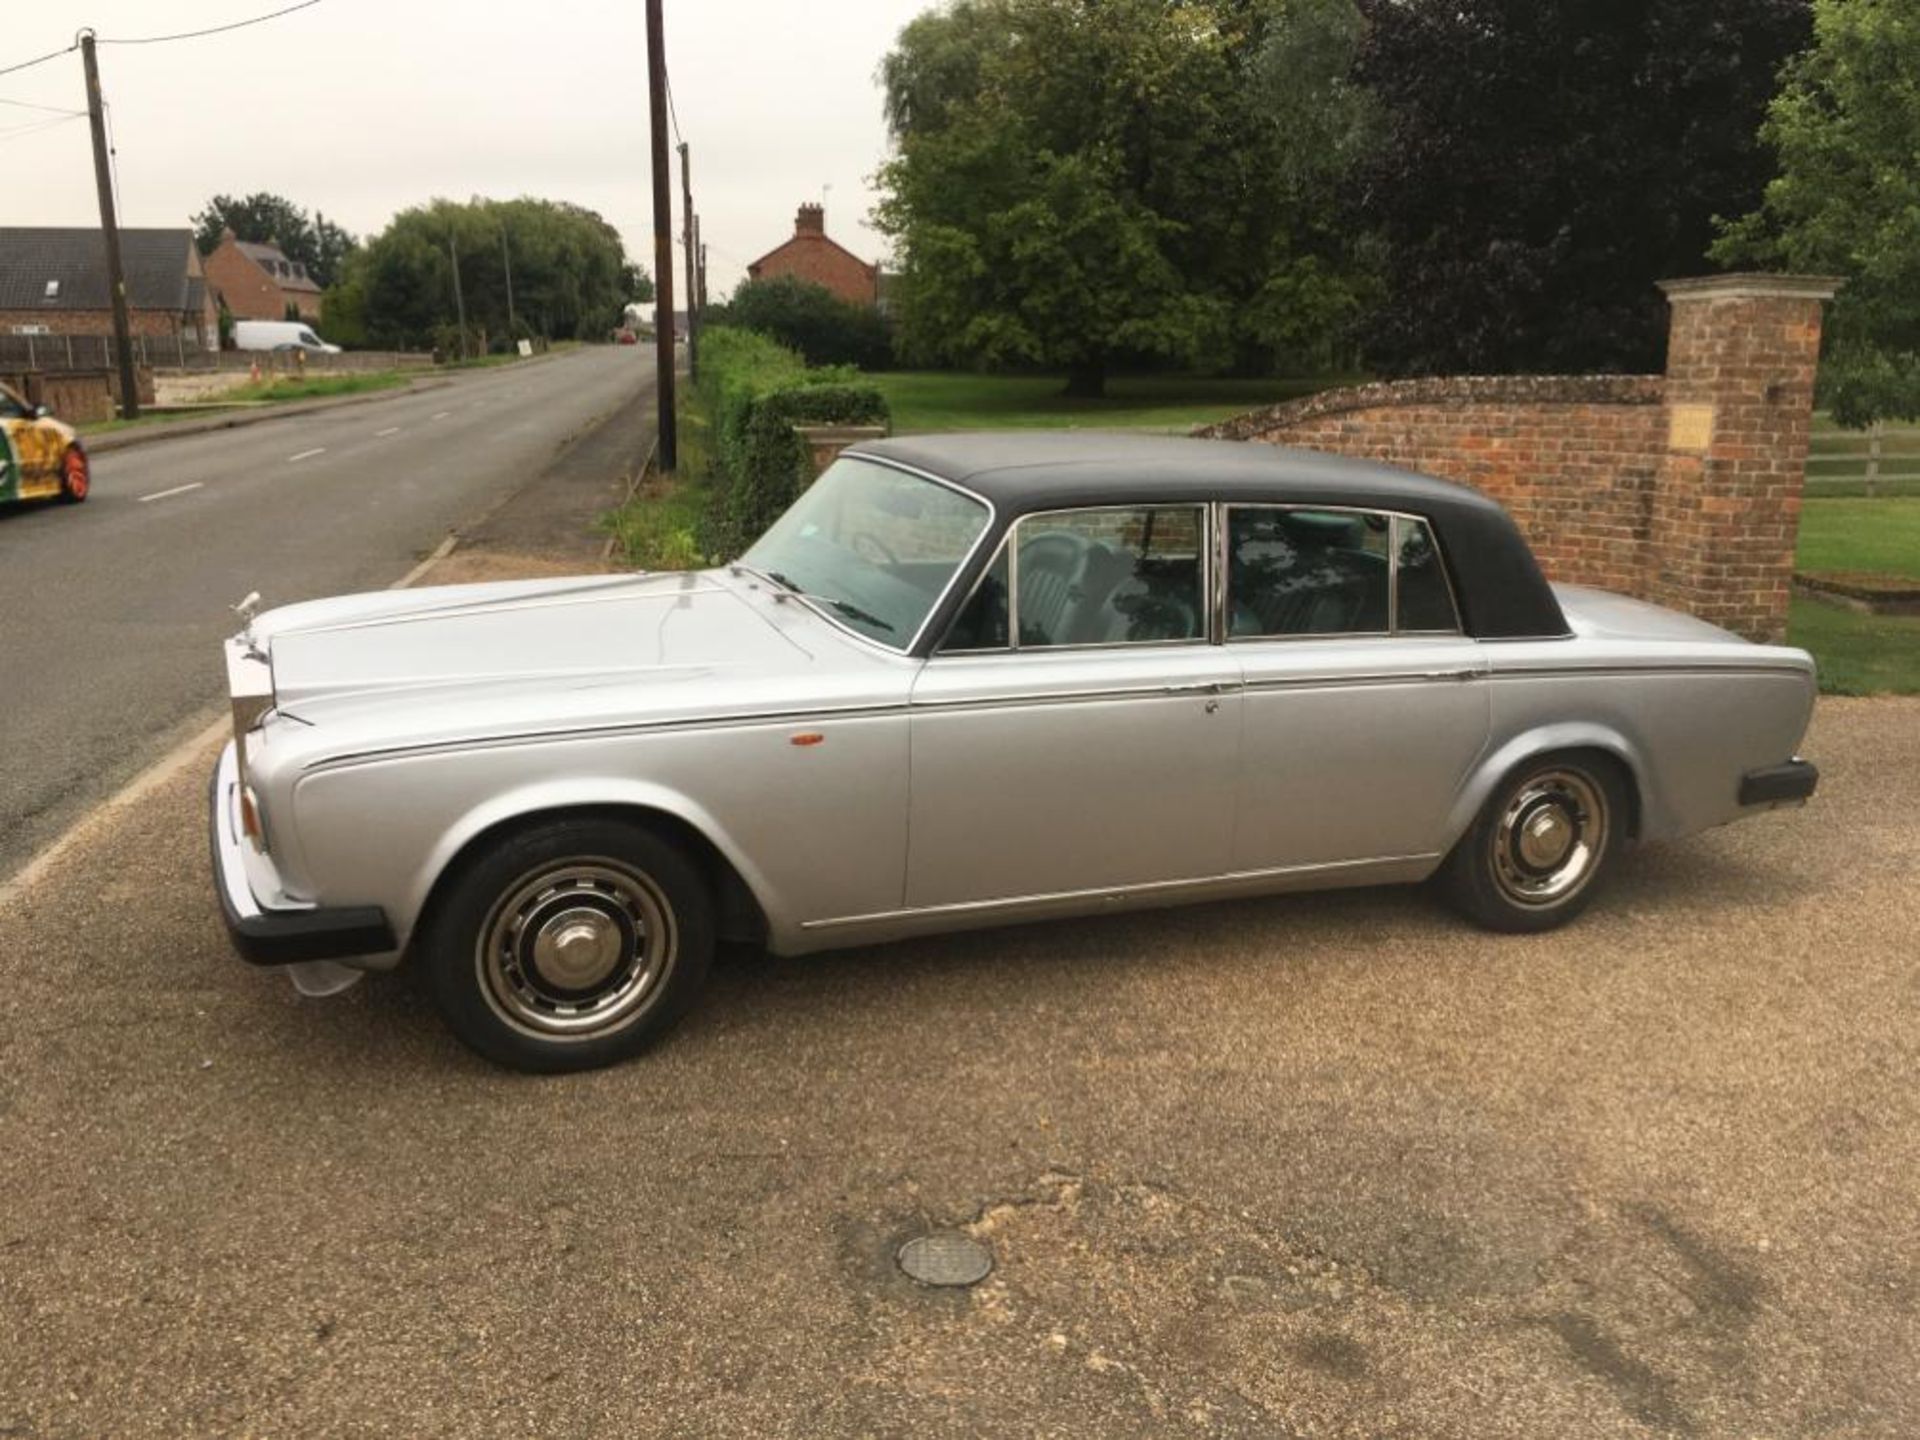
(872, 543)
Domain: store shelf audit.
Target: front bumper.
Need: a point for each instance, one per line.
(1779, 784)
(283, 933)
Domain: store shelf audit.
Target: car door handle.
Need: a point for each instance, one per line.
(1466, 673)
(1204, 687)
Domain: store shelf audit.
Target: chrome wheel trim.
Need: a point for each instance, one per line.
(576, 949)
(1551, 835)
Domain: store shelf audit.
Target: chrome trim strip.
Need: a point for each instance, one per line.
(1111, 892)
(1510, 671)
(1453, 675)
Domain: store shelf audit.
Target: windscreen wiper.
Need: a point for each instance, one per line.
(854, 612)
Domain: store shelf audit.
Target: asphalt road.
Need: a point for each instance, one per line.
(111, 612)
(1329, 1165)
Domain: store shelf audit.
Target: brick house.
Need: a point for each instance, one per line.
(53, 283)
(810, 255)
(258, 282)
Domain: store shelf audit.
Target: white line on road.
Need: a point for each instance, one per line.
(390, 430)
(176, 490)
(441, 415)
(307, 454)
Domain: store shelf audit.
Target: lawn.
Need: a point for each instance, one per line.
(1859, 654)
(956, 400)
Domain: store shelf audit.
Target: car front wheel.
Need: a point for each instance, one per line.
(1537, 851)
(569, 945)
(76, 478)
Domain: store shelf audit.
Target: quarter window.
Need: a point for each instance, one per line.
(1426, 601)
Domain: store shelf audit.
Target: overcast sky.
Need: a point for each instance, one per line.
(358, 108)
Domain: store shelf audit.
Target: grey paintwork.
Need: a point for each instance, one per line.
(954, 790)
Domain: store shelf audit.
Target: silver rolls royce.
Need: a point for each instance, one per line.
(965, 680)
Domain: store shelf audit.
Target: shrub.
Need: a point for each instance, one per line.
(754, 391)
(809, 318)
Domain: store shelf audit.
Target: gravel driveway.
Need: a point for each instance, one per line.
(1330, 1165)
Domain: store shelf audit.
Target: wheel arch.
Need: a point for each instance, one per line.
(741, 905)
(1498, 763)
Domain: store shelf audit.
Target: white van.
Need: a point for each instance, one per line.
(279, 335)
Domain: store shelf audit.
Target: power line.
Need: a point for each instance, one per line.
(34, 127)
(50, 109)
(212, 30)
(673, 113)
(41, 60)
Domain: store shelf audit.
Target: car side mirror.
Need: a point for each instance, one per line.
(43, 412)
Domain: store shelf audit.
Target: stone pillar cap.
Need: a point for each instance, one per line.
(1754, 285)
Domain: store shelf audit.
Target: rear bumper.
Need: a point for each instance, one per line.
(283, 934)
(1779, 784)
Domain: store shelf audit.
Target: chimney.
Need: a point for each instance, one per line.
(812, 220)
(226, 233)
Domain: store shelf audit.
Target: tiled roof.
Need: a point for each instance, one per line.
(155, 262)
(287, 274)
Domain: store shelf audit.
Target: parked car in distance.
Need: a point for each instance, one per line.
(40, 457)
(279, 335)
(965, 680)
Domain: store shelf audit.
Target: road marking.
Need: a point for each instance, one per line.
(390, 430)
(176, 490)
(307, 454)
(441, 415)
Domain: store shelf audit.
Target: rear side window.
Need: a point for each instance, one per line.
(1129, 576)
(1294, 571)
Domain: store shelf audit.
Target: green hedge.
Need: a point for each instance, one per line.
(754, 391)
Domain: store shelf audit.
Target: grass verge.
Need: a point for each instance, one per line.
(314, 387)
(659, 528)
(958, 400)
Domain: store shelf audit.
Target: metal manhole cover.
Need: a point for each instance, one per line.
(946, 1259)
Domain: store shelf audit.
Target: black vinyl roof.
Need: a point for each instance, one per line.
(1498, 582)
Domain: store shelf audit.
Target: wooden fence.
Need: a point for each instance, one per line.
(1879, 460)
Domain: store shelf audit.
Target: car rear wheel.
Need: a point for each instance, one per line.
(76, 477)
(569, 945)
(1535, 855)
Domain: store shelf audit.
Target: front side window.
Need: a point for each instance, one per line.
(873, 546)
(1294, 571)
(1110, 577)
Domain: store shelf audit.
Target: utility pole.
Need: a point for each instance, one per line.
(507, 259)
(110, 232)
(662, 237)
(459, 301)
(693, 290)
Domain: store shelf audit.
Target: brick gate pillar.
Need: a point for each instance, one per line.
(1741, 360)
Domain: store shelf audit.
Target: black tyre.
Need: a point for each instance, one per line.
(569, 945)
(1536, 854)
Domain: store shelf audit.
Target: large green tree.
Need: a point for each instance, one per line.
(1542, 163)
(268, 219)
(1846, 127)
(571, 277)
(1077, 183)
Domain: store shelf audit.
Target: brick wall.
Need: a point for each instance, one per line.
(1683, 489)
(155, 324)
